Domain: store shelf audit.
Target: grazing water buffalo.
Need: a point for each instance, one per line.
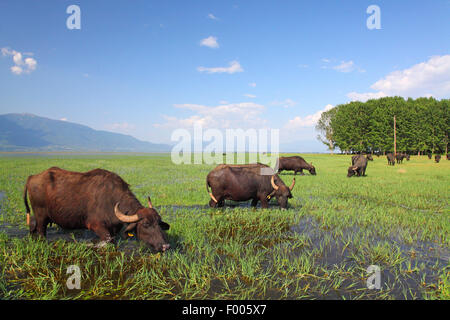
(430, 155)
(448, 156)
(355, 157)
(359, 165)
(407, 157)
(98, 200)
(391, 159)
(400, 157)
(245, 182)
(296, 164)
(437, 158)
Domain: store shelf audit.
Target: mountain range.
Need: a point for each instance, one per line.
(28, 132)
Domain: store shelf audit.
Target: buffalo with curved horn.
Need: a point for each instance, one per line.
(98, 200)
(358, 167)
(245, 182)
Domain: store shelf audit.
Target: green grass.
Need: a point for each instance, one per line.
(396, 217)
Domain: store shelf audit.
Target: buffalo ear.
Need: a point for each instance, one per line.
(164, 226)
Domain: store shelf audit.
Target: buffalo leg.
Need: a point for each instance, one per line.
(264, 202)
(41, 221)
(254, 202)
(103, 233)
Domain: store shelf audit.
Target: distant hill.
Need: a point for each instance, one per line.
(28, 132)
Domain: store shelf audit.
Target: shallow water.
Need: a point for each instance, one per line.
(429, 255)
(229, 204)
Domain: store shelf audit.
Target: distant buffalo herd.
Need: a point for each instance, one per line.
(102, 201)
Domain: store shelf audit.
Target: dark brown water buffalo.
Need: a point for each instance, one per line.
(296, 164)
(448, 156)
(430, 155)
(358, 167)
(400, 157)
(355, 157)
(98, 200)
(391, 159)
(245, 182)
(407, 157)
(437, 158)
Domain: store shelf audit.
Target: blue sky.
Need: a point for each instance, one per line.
(140, 67)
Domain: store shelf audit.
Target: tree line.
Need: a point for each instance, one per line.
(422, 126)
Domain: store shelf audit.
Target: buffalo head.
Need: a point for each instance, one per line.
(281, 192)
(352, 171)
(148, 225)
(311, 169)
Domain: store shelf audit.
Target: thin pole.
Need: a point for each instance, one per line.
(395, 139)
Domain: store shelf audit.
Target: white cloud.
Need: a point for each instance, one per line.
(308, 121)
(249, 95)
(303, 66)
(234, 66)
(345, 66)
(429, 78)
(287, 103)
(212, 17)
(17, 58)
(354, 96)
(210, 42)
(16, 70)
(252, 84)
(223, 102)
(225, 116)
(20, 65)
(31, 64)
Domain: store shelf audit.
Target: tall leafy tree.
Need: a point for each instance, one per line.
(326, 135)
(422, 125)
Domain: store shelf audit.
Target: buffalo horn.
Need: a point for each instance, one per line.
(124, 218)
(292, 185)
(149, 203)
(212, 197)
(272, 181)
